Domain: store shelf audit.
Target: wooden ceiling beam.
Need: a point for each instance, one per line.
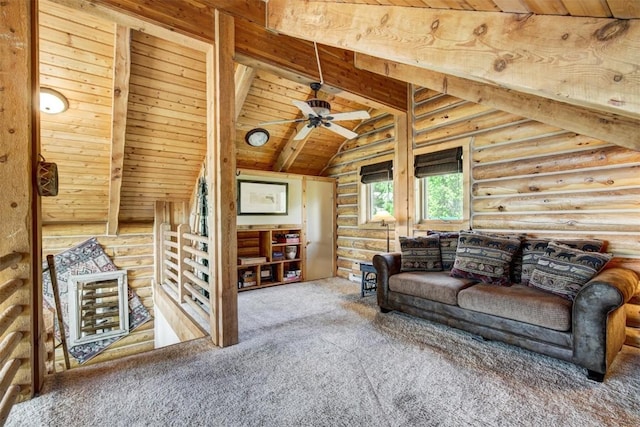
(244, 79)
(605, 126)
(581, 61)
(144, 18)
(295, 60)
(291, 150)
(193, 18)
(121, 74)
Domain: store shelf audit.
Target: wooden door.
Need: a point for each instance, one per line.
(319, 233)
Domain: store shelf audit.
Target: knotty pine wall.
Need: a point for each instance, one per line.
(525, 177)
(131, 250)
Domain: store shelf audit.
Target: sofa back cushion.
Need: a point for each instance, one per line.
(485, 257)
(420, 253)
(533, 249)
(448, 246)
(563, 270)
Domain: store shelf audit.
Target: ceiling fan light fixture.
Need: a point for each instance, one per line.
(320, 106)
(257, 137)
(52, 101)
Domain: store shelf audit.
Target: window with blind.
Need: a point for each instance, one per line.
(440, 185)
(376, 190)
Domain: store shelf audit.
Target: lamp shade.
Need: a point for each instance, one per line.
(383, 216)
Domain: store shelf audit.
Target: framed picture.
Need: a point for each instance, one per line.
(262, 198)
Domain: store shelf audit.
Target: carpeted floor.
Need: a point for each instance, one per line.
(316, 354)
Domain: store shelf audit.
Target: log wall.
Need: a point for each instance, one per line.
(358, 243)
(131, 250)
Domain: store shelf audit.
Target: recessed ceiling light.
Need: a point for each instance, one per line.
(52, 101)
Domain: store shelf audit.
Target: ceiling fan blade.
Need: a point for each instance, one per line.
(304, 107)
(302, 134)
(352, 115)
(278, 122)
(340, 130)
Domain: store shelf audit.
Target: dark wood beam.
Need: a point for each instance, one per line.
(295, 59)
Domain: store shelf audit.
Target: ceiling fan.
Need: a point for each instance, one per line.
(317, 112)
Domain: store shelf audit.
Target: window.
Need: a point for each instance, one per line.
(376, 190)
(440, 185)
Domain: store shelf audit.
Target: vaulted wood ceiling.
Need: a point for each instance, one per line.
(146, 131)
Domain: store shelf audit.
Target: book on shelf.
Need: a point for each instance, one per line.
(288, 238)
(246, 260)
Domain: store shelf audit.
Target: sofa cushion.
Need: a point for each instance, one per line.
(533, 249)
(519, 302)
(564, 270)
(485, 258)
(435, 286)
(420, 253)
(448, 246)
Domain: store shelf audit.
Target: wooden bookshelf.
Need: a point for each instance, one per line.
(263, 259)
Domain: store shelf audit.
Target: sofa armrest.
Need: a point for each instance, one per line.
(386, 265)
(599, 320)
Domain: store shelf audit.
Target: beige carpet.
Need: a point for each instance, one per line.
(316, 354)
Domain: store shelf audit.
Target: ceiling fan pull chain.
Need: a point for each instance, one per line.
(315, 45)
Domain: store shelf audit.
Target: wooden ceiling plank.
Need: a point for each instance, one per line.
(484, 5)
(545, 55)
(607, 127)
(595, 8)
(512, 6)
(624, 9)
(295, 60)
(121, 72)
(546, 7)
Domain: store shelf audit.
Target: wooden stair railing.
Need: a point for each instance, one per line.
(184, 268)
(9, 366)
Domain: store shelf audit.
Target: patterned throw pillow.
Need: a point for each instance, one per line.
(421, 253)
(563, 270)
(533, 249)
(448, 246)
(486, 258)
